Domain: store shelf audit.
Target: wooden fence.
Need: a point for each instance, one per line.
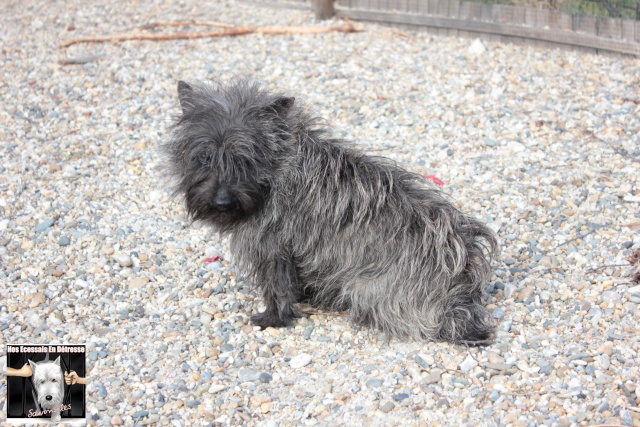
(495, 22)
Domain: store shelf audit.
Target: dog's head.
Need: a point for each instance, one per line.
(227, 149)
(48, 382)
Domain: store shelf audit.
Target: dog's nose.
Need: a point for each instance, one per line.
(223, 201)
(49, 397)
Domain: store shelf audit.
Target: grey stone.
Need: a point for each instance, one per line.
(441, 403)
(433, 377)
(387, 407)
(498, 313)
(102, 390)
(265, 377)
(307, 332)
(421, 362)
(193, 403)
(44, 225)
(248, 375)
(374, 382)
(498, 366)
(509, 290)
(124, 260)
(604, 406)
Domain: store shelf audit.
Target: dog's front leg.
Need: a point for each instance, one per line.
(278, 281)
(55, 415)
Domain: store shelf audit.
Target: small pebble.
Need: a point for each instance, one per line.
(140, 414)
(509, 290)
(442, 403)
(374, 382)
(432, 378)
(44, 225)
(421, 362)
(498, 313)
(300, 360)
(193, 403)
(265, 377)
(387, 407)
(124, 260)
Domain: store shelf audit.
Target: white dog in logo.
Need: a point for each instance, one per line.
(49, 384)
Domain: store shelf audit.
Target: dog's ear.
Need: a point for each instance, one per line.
(184, 95)
(33, 366)
(57, 361)
(282, 105)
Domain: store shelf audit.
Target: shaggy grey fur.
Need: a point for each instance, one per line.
(312, 218)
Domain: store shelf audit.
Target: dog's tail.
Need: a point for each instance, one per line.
(464, 317)
(465, 321)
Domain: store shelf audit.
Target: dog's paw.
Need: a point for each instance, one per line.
(56, 418)
(266, 319)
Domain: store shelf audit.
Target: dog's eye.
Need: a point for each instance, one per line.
(54, 380)
(204, 158)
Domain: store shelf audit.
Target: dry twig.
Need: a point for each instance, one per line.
(226, 31)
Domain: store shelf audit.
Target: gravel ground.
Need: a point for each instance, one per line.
(541, 144)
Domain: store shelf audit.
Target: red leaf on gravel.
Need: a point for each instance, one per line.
(213, 258)
(435, 179)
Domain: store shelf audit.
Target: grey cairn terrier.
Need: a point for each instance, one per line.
(311, 218)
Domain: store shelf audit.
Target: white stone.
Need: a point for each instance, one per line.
(477, 47)
(468, 364)
(215, 388)
(123, 259)
(300, 360)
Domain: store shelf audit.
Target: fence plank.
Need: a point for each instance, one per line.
(454, 12)
(443, 8)
(585, 24)
(496, 13)
(628, 27)
(475, 10)
(513, 15)
(560, 21)
(454, 9)
(486, 15)
(399, 5)
(432, 7)
(323, 9)
(413, 6)
(485, 12)
(465, 15)
(439, 8)
(610, 27)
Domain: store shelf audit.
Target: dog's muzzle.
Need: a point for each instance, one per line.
(223, 201)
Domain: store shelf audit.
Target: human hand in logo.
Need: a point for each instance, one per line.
(73, 378)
